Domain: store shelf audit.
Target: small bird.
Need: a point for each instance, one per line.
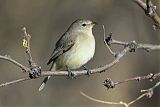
(74, 48)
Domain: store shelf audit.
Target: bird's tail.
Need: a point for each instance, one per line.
(46, 78)
(44, 83)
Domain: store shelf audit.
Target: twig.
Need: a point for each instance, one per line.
(146, 47)
(150, 90)
(26, 45)
(35, 70)
(150, 77)
(15, 81)
(106, 42)
(138, 98)
(147, 92)
(111, 84)
(125, 104)
(150, 11)
(8, 58)
(105, 102)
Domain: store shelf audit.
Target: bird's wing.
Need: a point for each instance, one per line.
(64, 44)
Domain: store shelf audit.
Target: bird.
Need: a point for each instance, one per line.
(74, 48)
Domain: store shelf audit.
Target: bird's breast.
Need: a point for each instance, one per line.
(82, 51)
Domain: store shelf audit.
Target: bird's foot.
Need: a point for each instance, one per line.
(88, 71)
(71, 75)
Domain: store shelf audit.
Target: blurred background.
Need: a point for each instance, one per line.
(46, 21)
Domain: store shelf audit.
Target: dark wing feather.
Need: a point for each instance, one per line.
(64, 44)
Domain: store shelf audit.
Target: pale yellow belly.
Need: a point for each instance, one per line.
(79, 54)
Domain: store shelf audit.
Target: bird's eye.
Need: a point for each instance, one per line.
(83, 25)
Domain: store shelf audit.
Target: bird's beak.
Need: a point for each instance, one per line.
(94, 23)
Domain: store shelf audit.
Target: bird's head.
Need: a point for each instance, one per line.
(82, 25)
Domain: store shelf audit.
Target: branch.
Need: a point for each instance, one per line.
(147, 93)
(15, 81)
(128, 47)
(77, 72)
(125, 104)
(35, 70)
(104, 102)
(92, 71)
(150, 11)
(132, 44)
(27, 46)
(150, 77)
(8, 58)
(111, 84)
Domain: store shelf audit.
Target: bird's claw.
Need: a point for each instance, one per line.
(88, 71)
(71, 75)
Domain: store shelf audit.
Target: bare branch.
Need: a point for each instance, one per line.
(111, 84)
(15, 81)
(150, 77)
(105, 102)
(137, 99)
(26, 45)
(148, 93)
(35, 70)
(150, 90)
(115, 103)
(8, 58)
(106, 42)
(146, 47)
(93, 71)
(82, 72)
(128, 47)
(150, 11)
